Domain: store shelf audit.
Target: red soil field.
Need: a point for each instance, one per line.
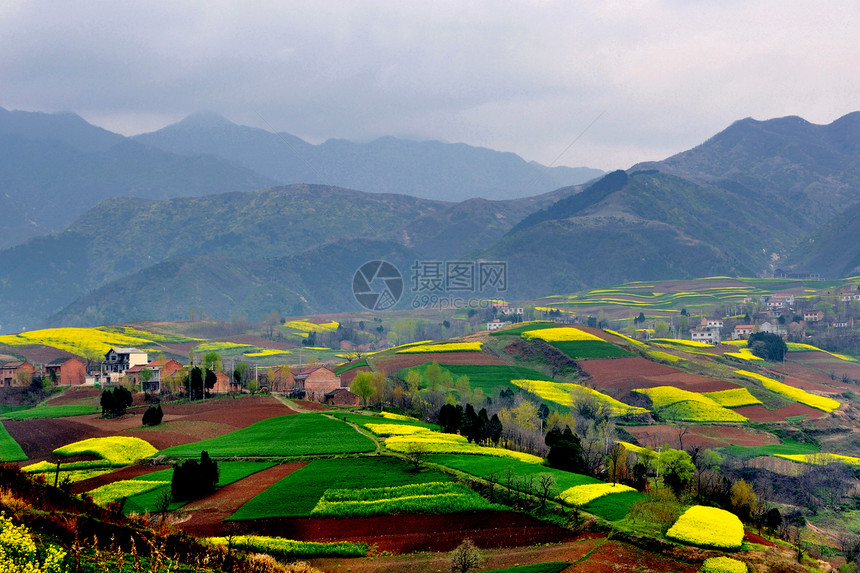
(762, 414)
(394, 362)
(809, 375)
(208, 514)
(74, 395)
(614, 556)
(38, 438)
(406, 533)
(201, 420)
(500, 558)
(347, 377)
(127, 472)
(311, 406)
(702, 436)
(627, 374)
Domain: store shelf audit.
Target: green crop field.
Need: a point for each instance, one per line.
(363, 420)
(300, 492)
(613, 507)
(50, 412)
(487, 377)
(485, 466)
(290, 550)
(228, 472)
(553, 567)
(10, 451)
(788, 447)
(349, 366)
(590, 349)
(293, 435)
(524, 327)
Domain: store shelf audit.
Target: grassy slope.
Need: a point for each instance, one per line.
(298, 493)
(10, 451)
(293, 435)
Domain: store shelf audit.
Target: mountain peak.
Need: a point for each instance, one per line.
(205, 118)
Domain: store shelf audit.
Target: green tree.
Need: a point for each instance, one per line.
(212, 361)
(768, 346)
(362, 386)
(677, 469)
(743, 499)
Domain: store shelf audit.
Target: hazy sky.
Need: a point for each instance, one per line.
(654, 77)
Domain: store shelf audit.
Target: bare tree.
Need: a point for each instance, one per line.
(465, 557)
(545, 484)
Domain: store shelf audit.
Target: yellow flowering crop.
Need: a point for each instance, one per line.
(821, 459)
(708, 527)
(311, 327)
(444, 347)
(734, 398)
(401, 417)
(664, 356)
(394, 429)
(80, 341)
(561, 393)
(639, 449)
(582, 494)
(118, 450)
(439, 443)
(796, 394)
(743, 354)
(267, 352)
(126, 488)
(682, 342)
(633, 341)
(559, 334)
(685, 405)
(723, 565)
(19, 554)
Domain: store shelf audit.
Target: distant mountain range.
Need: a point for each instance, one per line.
(759, 195)
(53, 167)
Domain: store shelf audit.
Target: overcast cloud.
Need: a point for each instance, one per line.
(658, 76)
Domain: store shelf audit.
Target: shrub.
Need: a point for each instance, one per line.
(115, 402)
(193, 480)
(153, 416)
(18, 551)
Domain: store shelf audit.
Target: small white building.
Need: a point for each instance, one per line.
(495, 324)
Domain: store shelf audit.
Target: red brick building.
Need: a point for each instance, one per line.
(67, 371)
(342, 397)
(317, 382)
(11, 373)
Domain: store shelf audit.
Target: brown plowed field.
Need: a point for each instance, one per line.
(207, 515)
(347, 377)
(702, 436)
(501, 558)
(183, 423)
(614, 556)
(127, 472)
(394, 362)
(627, 374)
(762, 414)
(413, 532)
(39, 437)
(74, 395)
(809, 375)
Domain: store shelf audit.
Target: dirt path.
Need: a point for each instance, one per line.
(207, 515)
(570, 551)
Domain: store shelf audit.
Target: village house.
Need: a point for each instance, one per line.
(771, 328)
(495, 324)
(742, 331)
(708, 331)
(849, 296)
(341, 397)
(160, 370)
(813, 315)
(317, 382)
(780, 302)
(119, 360)
(16, 373)
(68, 371)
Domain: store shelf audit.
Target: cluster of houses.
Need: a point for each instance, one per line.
(132, 365)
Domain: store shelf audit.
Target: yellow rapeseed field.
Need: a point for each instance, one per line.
(708, 527)
(118, 450)
(563, 392)
(560, 334)
(796, 394)
(582, 494)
